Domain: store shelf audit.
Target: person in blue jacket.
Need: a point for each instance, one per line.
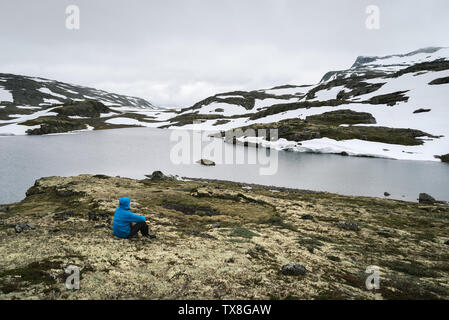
(127, 224)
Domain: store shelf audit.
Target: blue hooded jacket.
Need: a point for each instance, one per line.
(123, 218)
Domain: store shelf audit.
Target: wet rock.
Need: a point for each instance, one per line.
(64, 215)
(307, 217)
(349, 225)
(294, 270)
(206, 162)
(387, 194)
(426, 198)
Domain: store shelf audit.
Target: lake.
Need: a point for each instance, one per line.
(135, 152)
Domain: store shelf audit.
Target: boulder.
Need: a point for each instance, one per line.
(387, 194)
(426, 198)
(294, 270)
(206, 162)
(158, 176)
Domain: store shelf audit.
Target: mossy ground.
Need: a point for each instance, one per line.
(234, 253)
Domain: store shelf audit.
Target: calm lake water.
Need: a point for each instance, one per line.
(139, 151)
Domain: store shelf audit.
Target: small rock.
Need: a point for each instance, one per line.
(206, 162)
(307, 217)
(21, 227)
(426, 198)
(349, 225)
(447, 242)
(421, 110)
(3, 208)
(216, 225)
(230, 260)
(157, 176)
(387, 194)
(258, 247)
(54, 230)
(98, 226)
(294, 270)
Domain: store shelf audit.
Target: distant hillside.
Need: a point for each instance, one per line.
(392, 107)
(40, 106)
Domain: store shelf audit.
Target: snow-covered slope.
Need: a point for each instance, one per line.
(408, 91)
(27, 100)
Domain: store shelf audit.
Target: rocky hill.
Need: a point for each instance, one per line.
(219, 240)
(33, 105)
(393, 107)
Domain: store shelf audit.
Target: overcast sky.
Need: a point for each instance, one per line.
(176, 52)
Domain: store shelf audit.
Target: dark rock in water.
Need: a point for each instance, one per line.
(425, 198)
(422, 110)
(307, 217)
(443, 158)
(64, 215)
(206, 162)
(22, 226)
(349, 225)
(158, 176)
(294, 270)
(344, 153)
(387, 194)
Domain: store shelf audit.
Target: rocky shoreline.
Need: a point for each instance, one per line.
(219, 240)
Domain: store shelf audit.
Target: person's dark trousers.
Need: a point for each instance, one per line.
(136, 227)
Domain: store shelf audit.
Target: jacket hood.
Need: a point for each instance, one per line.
(124, 203)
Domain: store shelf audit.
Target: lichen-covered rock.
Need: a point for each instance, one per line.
(426, 198)
(294, 270)
(349, 225)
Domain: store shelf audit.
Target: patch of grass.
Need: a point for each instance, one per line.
(33, 273)
(243, 233)
(412, 268)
